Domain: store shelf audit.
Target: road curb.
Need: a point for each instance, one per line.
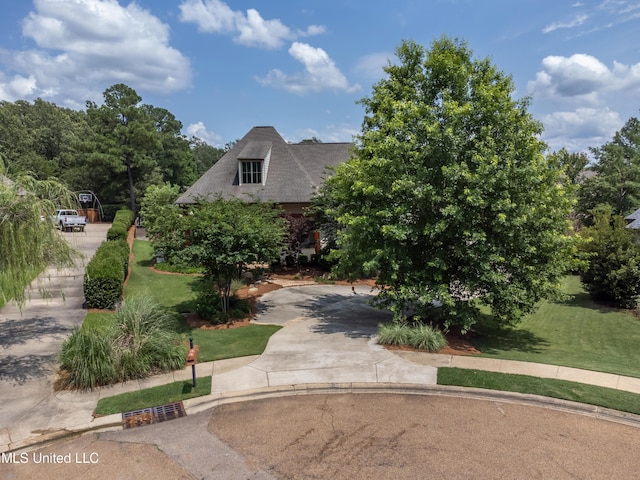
(208, 402)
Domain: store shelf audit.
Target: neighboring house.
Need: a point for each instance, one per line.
(263, 167)
(634, 220)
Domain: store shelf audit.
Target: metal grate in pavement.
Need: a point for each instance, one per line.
(169, 411)
(147, 416)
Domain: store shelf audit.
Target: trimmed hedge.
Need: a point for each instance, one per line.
(105, 275)
(120, 226)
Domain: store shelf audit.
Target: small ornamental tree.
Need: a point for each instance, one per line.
(224, 236)
(448, 197)
(613, 260)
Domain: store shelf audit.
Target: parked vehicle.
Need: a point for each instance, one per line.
(69, 220)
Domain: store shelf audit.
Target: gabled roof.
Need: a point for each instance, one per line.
(634, 220)
(294, 170)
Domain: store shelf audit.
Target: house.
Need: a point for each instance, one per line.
(262, 166)
(634, 220)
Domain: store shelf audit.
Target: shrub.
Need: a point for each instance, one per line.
(145, 339)
(303, 260)
(105, 274)
(142, 341)
(420, 336)
(209, 307)
(425, 337)
(394, 333)
(87, 357)
(120, 226)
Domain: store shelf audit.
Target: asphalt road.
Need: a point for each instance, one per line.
(351, 436)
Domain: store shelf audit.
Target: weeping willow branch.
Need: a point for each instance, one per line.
(28, 241)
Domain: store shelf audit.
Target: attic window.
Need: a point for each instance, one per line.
(251, 171)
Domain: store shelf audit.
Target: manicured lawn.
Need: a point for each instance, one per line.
(577, 392)
(176, 292)
(97, 320)
(154, 397)
(576, 333)
(232, 342)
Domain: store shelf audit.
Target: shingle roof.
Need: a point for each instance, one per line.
(294, 170)
(634, 220)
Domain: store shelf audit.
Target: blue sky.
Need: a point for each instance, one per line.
(222, 67)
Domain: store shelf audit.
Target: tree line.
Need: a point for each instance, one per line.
(116, 149)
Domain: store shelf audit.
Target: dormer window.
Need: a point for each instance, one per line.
(253, 163)
(251, 171)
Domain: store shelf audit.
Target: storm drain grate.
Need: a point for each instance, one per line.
(169, 411)
(147, 416)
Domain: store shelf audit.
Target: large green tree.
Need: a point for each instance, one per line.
(124, 142)
(204, 155)
(617, 168)
(28, 241)
(448, 197)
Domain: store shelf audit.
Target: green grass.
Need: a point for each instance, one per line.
(98, 321)
(176, 292)
(575, 333)
(576, 392)
(232, 342)
(153, 397)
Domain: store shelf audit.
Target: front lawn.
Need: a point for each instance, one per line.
(176, 292)
(575, 333)
(575, 392)
(154, 396)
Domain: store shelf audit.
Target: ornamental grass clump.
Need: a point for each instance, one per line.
(87, 359)
(143, 340)
(419, 336)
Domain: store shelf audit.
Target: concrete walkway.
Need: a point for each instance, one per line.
(326, 346)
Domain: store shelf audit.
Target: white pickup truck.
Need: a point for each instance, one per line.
(69, 220)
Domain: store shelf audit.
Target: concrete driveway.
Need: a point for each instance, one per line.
(328, 339)
(30, 340)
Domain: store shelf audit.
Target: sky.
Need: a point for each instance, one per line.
(222, 67)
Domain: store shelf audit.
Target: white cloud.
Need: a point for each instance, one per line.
(582, 76)
(200, 130)
(250, 29)
(372, 65)
(330, 133)
(17, 87)
(580, 129)
(576, 22)
(320, 73)
(87, 45)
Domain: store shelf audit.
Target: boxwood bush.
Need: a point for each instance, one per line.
(120, 226)
(105, 275)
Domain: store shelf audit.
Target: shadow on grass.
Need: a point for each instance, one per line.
(490, 337)
(187, 387)
(585, 300)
